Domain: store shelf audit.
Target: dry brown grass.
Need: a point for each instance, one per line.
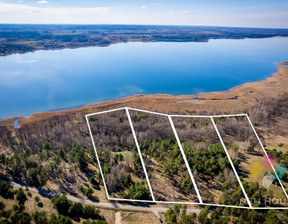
(139, 218)
(31, 206)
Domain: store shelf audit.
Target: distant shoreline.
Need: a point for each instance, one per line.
(23, 38)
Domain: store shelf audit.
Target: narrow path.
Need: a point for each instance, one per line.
(118, 218)
(144, 207)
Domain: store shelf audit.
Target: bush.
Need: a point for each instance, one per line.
(88, 192)
(137, 191)
(20, 218)
(62, 204)
(76, 210)
(203, 214)
(2, 205)
(33, 175)
(21, 196)
(37, 199)
(272, 218)
(280, 145)
(40, 217)
(5, 190)
(91, 212)
(18, 208)
(93, 181)
(250, 147)
(60, 219)
(127, 180)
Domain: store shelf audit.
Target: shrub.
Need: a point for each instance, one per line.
(88, 192)
(20, 218)
(76, 210)
(91, 212)
(37, 199)
(21, 196)
(40, 217)
(33, 175)
(60, 219)
(2, 205)
(62, 204)
(5, 190)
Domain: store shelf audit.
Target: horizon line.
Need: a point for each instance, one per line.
(122, 24)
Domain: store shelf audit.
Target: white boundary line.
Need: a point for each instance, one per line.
(104, 112)
(185, 160)
(166, 115)
(191, 203)
(208, 116)
(107, 194)
(100, 168)
(146, 111)
(139, 152)
(279, 180)
(231, 163)
(202, 204)
(215, 128)
(179, 202)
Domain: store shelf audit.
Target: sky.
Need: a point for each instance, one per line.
(237, 13)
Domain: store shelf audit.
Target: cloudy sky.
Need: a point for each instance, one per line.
(247, 13)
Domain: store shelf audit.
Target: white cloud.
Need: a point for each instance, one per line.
(21, 13)
(24, 13)
(185, 12)
(42, 2)
(36, 11)
(174, 14)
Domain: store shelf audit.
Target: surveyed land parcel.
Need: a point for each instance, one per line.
(260, 180)
(119, 160)
(208, 160)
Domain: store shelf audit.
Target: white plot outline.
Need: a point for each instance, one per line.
(98, 160)
(182, 153)
(139, 152)
(261, 145)
(223, 145)
(188, 167)
(231, 163)
(185, 160)
(267, 156)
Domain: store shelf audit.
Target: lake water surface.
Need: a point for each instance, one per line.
(51, 80)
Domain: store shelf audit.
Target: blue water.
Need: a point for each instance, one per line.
(51, 80)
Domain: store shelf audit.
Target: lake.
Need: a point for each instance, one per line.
(51, 80)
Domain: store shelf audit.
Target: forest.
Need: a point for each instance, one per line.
(16, 38)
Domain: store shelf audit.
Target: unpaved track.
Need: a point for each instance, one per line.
(114, 205)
